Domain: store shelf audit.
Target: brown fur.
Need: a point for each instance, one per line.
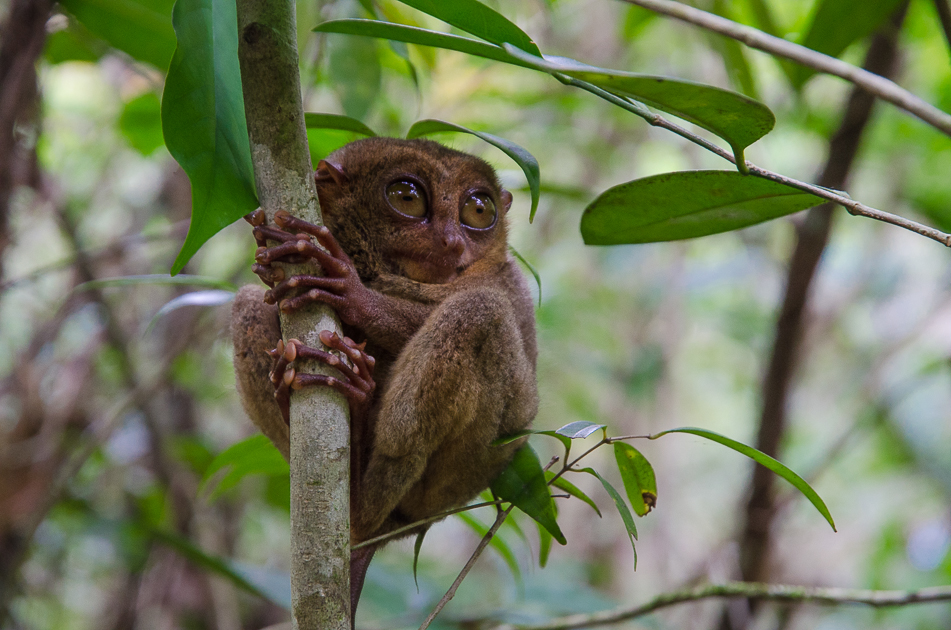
(455, 358)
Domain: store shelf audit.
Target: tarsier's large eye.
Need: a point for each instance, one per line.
(478, 212)
(407, 198)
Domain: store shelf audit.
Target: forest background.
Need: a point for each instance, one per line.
(641, 338)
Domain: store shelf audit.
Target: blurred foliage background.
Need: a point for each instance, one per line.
(109, 420)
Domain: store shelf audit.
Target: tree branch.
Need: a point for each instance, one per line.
(750, 590)
(868, 81)
(319, 428)
(853, 207)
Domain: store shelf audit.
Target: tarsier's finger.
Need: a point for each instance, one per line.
(281, 360)
(333, 285)
(363, 362)
(282, 394)
(289, 222)
(268, 274)
(256, 218)
(289, 305)
(354, 395)
(306, 352)
(286, 250)
(265, 232)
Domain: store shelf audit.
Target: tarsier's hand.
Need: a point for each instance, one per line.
(357, 384)
(339, 288)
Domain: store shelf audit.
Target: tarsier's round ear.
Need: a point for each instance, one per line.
(506, 198)
(327, 171)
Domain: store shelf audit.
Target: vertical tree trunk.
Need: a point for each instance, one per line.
(320, 450)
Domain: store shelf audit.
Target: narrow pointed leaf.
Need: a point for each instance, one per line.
(531, 269)
(213, 297)
(544, 545)
(579, 429)
(525, 160)
(315, 120)
(419, 36)
(479, 20)
(621, 508)
(158, 278)
(253, 456)
(563, 484)
(523, 484)
(687, 204)
(237, 574)
(736, 118)
(496, 543)
(763, 459)
(416, 547)
(638, 477)
(203, 119)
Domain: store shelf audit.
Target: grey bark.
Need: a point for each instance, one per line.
(320, 435)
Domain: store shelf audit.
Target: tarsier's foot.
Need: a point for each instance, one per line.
(357, 384)
(340, 286)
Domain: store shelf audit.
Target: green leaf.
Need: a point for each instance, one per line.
(213, 297)
(328, 132)
(638, 477)
(253, 456)
(416, 547)
(836, 24)
(531, 269)
(355, 74)
(260, 583)
(141, 28)
(203, 119)
(73, 43)
(763, 459)
(621, 508)
(336, 121)
(479, 20)
(736, 118)
(141, 123)
(579, 430)
(419, 36)
(525, 160)
(523, 484)
(496, 543)
(158, 278)
(544, 545)
(563, 484)
(687, 204)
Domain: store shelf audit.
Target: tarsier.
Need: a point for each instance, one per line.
(438, 321)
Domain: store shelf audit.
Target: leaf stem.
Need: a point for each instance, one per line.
(853, 207)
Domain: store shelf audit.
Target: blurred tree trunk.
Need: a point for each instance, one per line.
(812, 237)
(320, 435)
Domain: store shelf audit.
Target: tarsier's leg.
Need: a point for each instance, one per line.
(255, 329)
(462, 381)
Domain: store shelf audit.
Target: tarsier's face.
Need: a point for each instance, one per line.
(430, 212)
(446, 219)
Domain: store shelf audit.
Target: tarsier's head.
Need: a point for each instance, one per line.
(413, 208)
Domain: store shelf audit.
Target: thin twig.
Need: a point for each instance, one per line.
(396, 533)
(751, 590)
(465, 570)
(754, 38)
